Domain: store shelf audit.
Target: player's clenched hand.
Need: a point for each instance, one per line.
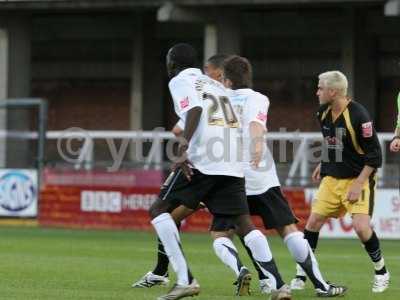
(316, 176)
(354, 192)
(183, 163)
(186, 167)
(395, 145)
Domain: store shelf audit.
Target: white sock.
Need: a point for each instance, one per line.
(261, 252)
(300, 249)
(297, 245)
(315, 267)
(258, 245)
(225, 250)
(168, 233)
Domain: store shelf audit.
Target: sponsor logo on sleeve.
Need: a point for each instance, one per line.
(184, 102)
(262, 116)
(367, 129)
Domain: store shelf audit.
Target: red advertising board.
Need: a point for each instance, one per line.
(98, 199)
(120, 200)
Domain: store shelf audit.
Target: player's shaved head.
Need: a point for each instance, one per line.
(217, 60)
(238, 71)
(180, 56)
(213, 66)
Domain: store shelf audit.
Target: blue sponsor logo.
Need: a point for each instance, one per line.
(17, 191)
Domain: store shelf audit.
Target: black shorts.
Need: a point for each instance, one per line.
(221, 194)
(271, 206)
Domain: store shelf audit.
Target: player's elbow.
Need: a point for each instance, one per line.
(374, 161)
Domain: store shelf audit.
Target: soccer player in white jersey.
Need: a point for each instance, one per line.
(263, 190)
(159, 275)
(204, 107)
(264, 179)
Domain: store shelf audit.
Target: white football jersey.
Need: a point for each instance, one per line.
(213, 149)
(252, 106)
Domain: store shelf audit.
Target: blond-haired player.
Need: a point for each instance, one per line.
(348, 171)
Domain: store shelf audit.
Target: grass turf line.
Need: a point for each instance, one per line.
(72, 264)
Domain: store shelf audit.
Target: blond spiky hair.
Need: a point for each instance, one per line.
(335, 80)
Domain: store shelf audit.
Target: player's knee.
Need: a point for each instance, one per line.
(287, 229)
(244, 225)
(315, 222)
(362, 228)
(155, 210)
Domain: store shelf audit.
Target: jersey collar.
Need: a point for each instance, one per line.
(190, 71)
(244, 91)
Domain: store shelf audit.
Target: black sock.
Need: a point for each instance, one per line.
(373, 249)
(261, 275)
(271, 267)
(161, 268)
(312, 238)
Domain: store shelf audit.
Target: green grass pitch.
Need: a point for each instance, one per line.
(71, 264)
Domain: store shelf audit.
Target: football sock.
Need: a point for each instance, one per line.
(261, 275)
(261, 252)
(227, 253)
(373, 249)
(304, 256)
(161, 268)
(168, 233)
(312, 238)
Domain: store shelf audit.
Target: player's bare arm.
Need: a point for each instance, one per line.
(257, 132)
(191, 124)
(316, 175)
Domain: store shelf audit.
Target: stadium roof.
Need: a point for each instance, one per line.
(87, 4)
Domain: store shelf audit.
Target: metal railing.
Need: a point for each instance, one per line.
(299, 166)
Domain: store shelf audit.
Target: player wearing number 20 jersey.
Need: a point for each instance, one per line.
(211, 126)
(213, 149)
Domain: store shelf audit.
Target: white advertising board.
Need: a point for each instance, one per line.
(386, 217)
(18, 193)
